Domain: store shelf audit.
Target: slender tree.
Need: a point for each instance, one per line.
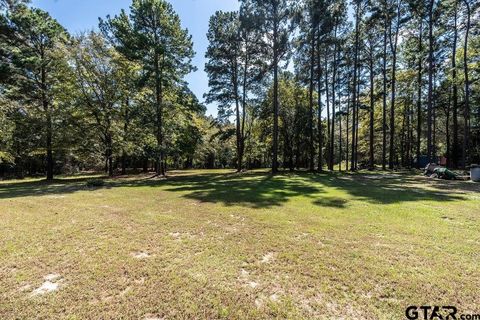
(455, 151)
(353, 165)
(371, 48)
(419, 87)
(430, 82)
(393, 41)
(274, 16)
(152, 35)
(466, 112)
(387, 21)
(36, 41)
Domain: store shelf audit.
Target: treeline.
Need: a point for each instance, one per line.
(310, 84)
(363, 84)
(113, 99)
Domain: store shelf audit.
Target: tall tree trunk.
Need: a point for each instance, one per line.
(238, 135)
(372, 111)
(237, 118)
(125, 131)
(340, 135)
(340, 153)
(419, 91)
(310, 113)
(244, 105)
(434, 115)
(334, 73)
(430, 82)
(49, 142)
(393, 45)
(466, 113)
(384, 101)
(354, 98)
(108, 152)
(403, 139)
(49, 124)
(455, 152)
(296, 136)
(392, 115)
(357, 120)
(327, 100)
(275, 93)
(320, 109)
(347, 129)
(409, 135)
(159, 115)
(447, 130)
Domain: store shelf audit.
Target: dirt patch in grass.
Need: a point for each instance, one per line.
(51, 284)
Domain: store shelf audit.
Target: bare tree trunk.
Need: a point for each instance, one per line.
(327, 99)
(447, 130)
(310, 113)
(357, 120)
(466, 114)
(393, 45)
(372, 111)
(244, 106)
(238, 136)
(275, 93)
(49, 124)
(402, 137)
(237, 119)
(430, 82)
(340, 151)
(419, 92)
(409, 136)
(334, 73)
(109, 153)
(125, 131)
(434, 115)
(347, 129)
(159, 114)
(49, 142)
(354, 99)
(455, 153)
(320, 109)
(384, 102)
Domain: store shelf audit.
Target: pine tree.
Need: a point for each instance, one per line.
(34, 50)
(274, 17)
(152, 35)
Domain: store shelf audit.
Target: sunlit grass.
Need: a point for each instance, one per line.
(216, 244)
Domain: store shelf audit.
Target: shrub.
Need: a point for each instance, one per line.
(95, 183)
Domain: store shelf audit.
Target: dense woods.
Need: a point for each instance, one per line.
(311, 84)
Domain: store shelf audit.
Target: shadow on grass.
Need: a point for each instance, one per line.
(254, 190)
(43, 187)
(261, 190)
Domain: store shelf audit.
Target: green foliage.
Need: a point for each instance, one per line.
(118, 99)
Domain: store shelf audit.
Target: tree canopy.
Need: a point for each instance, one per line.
(312, 84)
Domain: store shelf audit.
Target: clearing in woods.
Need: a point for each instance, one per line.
(214, 244)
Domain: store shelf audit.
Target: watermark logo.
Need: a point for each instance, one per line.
(437, 313)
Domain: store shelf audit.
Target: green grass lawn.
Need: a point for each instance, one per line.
(214, 244)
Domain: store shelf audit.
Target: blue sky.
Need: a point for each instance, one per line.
(81, 15)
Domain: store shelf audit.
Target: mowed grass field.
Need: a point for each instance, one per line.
(220, 245)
